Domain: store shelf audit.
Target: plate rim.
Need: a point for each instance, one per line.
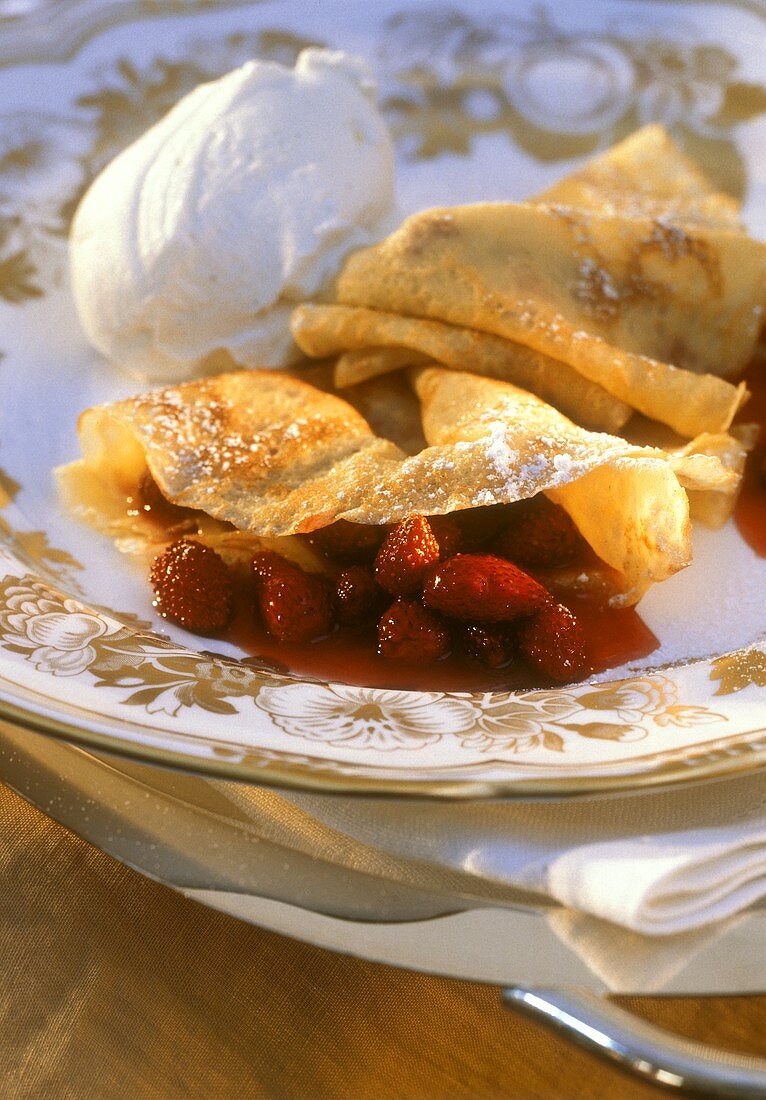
(326, 781)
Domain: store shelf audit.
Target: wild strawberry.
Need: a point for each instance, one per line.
(192, 587)
(295, 606)
(482, 588)
(410, 632)
(553, 641)
(447, 534)
(265, 563)
(539, 535)
(490, 644)
(356, 595)
(348, 542)
(405, 556)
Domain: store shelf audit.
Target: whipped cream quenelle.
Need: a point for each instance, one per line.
(202, 236)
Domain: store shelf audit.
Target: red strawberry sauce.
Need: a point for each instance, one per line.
(750, 515)
(349, 654)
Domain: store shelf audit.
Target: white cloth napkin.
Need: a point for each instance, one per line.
(644, 878)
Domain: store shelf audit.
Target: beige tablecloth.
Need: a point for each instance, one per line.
(112, 986)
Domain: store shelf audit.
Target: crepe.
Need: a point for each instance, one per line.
(632, 275)
(366, 362)
(263, 451)
(99, 500)
(646, 175)
(392, 410)
(274, 457)
(626, 501)
(613, 297)
(387, 341)
(714, 507)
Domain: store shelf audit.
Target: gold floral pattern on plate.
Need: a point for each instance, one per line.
(63, 637)
(736, 671)
(466, 74)
(34, 549)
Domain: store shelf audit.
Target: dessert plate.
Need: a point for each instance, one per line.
(483, 104)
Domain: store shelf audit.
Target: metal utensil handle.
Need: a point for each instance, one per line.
(631, 1044)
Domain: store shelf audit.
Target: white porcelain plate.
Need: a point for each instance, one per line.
(486, 101)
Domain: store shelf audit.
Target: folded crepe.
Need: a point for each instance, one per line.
(618, 299)
(632, 273)
(274, 457)
(713, 507)
(647, 175)
(374, 342)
